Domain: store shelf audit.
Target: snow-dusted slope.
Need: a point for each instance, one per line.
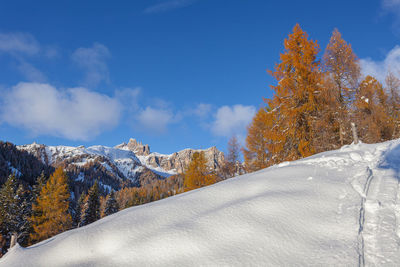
(127, 162)
(335, 208)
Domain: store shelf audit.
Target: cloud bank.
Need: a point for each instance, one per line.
(18, 43)
(232, 120)
(74, 113)
(390, 3)
(379, 69)
(93, 61)
(155, 120)
(21, 46)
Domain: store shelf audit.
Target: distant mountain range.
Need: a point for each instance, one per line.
(128, 164)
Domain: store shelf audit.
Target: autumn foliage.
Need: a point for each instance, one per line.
(198, 174)
(51, 210)
(256, 154)
(315, 102)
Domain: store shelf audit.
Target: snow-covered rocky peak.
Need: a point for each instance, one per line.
(137, 147)
(124, 162)
(113, 167)
(172, 163)
(180, 160)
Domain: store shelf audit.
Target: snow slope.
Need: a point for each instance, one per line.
(121, 164)
(335, 208)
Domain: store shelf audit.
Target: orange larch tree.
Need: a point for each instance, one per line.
(343, 74)
(299, 81)
(197, 173)
(257, 153)
(393, 89)
(50, 212)
(371, 112)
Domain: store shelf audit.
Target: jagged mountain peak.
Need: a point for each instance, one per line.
(124, 163)
(137, 147)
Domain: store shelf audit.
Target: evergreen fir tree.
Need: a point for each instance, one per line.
(23, 214)
(78, 209)
(40, 182)
(8, 210)
(15, 210)
(50, 213)
(111, 205)
(91, 211)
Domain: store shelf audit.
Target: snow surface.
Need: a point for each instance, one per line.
(336, 208)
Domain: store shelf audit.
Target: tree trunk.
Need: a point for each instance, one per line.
(13, 240)
(341, 134)
(354, 130)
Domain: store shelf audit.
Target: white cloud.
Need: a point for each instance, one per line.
(21, 43)
(20, 46)
(202, 110)
(155, 120)
(129, 98)
(74, 113)
(168, 5)
(393, 7)
(391, 3)
(379, 69)
(232, 120)
(93, 61)
(30, 72)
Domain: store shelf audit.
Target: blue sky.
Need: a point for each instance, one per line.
(171, 73)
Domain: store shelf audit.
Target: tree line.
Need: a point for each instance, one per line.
(316, 101)
(32, 214)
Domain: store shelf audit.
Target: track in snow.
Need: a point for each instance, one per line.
(361, 220)
(379, 211)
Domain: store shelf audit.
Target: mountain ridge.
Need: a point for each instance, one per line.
(122, 165)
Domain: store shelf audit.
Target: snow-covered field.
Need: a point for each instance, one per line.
(335, 208)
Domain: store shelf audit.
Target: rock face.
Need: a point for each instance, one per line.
(136, 147)
(176, 162)
(127, 164)
(179, 161)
